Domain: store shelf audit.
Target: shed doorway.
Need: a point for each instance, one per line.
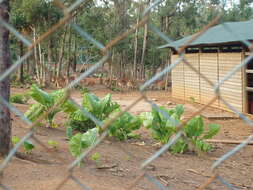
(249, 87)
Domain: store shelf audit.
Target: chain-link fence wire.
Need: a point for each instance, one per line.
(69, 13)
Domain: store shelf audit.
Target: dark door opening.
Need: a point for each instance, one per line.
(250, 102)
(249, 88)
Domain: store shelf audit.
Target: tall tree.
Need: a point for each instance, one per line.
(5, 121)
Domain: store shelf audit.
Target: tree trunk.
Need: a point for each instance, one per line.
(75, 57)
(136, 45)
(36, 57)
(145, 37)
(69, 54)
(50, 60)
(40, 65)
(5, 119)
(142, 64)
(21, 71)
(44, 70)
(60, 59)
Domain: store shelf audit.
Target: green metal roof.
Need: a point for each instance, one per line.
(219, 34)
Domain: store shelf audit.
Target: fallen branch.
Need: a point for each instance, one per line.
(227, 141)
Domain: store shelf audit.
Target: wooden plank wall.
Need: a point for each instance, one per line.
(232, 89)
(192, 82)
(177, 77)
(186, 84)
(209, 68)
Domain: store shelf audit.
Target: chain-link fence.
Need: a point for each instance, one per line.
(69, 13)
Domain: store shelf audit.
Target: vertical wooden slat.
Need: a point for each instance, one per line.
(177, 75)
(209, 68)
(231, 90)
(192, 88)
(187, 85)
(245, 84)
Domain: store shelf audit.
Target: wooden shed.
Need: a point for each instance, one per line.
(215, 54)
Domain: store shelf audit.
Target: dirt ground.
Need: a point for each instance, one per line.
(178, 172)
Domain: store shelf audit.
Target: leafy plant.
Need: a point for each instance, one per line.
(15, 140)
(124, 125)
(19, 98)
(99, 108)
(28, 145)
(197, 133)
(163, 128)
(96, 157)
(45, 101)
(80, 142)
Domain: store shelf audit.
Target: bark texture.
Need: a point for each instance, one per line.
(5, 121)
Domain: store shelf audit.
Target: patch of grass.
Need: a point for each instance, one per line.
(19, 98)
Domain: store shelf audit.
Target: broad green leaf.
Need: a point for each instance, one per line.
(213, 129)
(41, 96)
(79, 115)
(105, 101)
(19, 98)
(28, 145)
(80, 142)
(179, 147)
(69, 132)
(35, 111)
(75, 145)
(91, 102)
(15, 140)
(173, 121)
(179, 110)
(201, 145)
(69, 107)
(195, 127)
(146, 118)
(124, 125)
(89, 138)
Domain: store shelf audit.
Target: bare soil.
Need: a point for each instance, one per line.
(120, 161)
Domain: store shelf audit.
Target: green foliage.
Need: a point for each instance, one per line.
(96, 157)
(196, 132)
(28, 145)
(124, 125)
(52, 143)
(179, 147)
(213, 129)
(164, 128)
(100, 108)
(41, 96)
(46, 101)
(15, 140)
(80, 142)
(34, 111)
(19, 98)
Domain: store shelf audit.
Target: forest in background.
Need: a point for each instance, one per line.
(65, 52)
